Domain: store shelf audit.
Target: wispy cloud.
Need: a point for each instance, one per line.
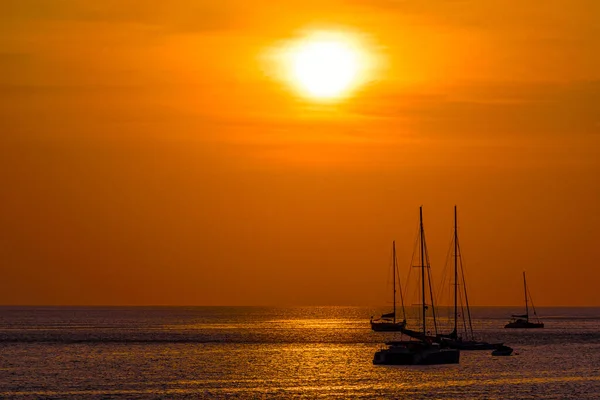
(496, 110)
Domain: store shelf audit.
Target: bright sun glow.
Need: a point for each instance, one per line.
(325, 68)
(325, 65)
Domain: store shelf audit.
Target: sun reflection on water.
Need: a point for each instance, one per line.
(282, 353)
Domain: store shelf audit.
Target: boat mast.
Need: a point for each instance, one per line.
(394, 275)
(526, 305)
(422, 268)
(455, 333)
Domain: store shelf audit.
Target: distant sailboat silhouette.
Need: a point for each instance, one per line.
(522, 320)
(388, 322)
(423, 350)
(453, 339)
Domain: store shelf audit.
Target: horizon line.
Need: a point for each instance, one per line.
(270, 305)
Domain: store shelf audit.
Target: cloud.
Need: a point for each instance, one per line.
(180, 15)
(177, 15)
(491, 13)
(495, 110)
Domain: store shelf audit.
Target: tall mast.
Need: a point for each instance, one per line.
(525, 289)
(455, 333)
(424, 306)
(394, 275)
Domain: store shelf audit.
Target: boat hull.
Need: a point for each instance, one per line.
(387, 326)
(470, 345)
(428, 355)
(520, 324)
(502, 351)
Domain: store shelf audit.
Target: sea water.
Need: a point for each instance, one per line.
(269, 352)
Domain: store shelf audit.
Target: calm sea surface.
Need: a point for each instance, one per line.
(263, 352)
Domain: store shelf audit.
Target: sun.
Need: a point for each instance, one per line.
(325, 65)
(325, 68)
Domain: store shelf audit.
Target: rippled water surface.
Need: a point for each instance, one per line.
(254, 352)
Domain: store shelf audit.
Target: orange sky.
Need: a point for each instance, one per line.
(149, 154)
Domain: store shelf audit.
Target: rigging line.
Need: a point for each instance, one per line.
(412, 264)
(443, 291)
(440, 293)
(532, 305)
(391, 260)
(435, 323)
(462, 272)
(427, 263)
(464, 320)
(397, 272)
